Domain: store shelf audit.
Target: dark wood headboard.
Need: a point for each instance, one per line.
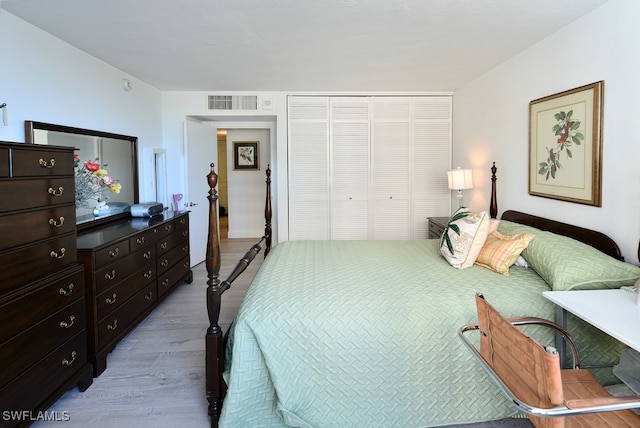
(593, 238)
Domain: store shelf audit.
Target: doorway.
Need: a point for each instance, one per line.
(241, 190)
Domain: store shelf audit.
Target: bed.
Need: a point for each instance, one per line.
(364, 333)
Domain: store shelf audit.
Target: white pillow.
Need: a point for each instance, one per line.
(465, 234)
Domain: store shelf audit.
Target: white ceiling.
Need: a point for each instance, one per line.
(302, 45)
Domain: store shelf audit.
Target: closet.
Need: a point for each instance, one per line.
(370, 167)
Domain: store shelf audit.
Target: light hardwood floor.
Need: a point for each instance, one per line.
(155, 377)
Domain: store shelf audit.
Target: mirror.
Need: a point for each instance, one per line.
(117, 154)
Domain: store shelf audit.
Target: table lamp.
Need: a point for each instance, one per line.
(460, 179)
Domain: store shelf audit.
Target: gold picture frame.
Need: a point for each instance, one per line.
(565, 145)
(246, 155)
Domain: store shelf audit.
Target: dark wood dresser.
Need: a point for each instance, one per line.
(43, 349)
(130, 265)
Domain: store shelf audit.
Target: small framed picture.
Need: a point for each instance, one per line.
(565, 145)
(246, 155)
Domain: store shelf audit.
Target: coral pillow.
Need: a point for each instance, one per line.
(500, 251)
(464, 237)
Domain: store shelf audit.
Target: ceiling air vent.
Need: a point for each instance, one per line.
(233, 102)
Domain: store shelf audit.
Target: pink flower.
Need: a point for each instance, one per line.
(92, 166)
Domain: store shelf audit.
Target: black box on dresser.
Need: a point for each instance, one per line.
(43, 347)
(129, 267)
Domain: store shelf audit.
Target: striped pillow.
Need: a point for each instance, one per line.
(500, 251)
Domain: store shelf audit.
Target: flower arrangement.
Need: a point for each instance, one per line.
(91, 180)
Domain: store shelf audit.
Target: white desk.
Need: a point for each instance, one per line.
(613, 311)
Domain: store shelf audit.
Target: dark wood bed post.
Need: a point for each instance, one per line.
(214, 348)
(493, 209)
(215, 339)
(267, 214)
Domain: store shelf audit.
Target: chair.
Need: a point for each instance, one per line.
(529, 374)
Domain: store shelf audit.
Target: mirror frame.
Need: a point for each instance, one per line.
(29, 128)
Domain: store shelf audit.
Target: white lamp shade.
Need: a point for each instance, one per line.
(460, 179)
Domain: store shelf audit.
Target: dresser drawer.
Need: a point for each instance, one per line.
(122, 318)
(4, 162)
(142, 240)
(18, 312)
(168, 243)
(29, 263)
(163, 229)
(182, 222)
(24, 228)
(112, 298)
(24, 194)
(119, 271)
(39, 381)
(167, 280)
(20, 352)
(41, 163)
(112, 253)
(169, 259)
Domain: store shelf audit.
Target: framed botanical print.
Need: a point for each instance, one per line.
(246, 155)
(565, 145)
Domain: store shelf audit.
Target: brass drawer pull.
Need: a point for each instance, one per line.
(43, 163)
(185, 265)
(58, 255)
(147, 254)
(58, 223)
(164, 245)
(164, 263)
(110, 276)
(149, 296)
(165, 282)
(148, 274)
(168, 228)
(140, 240)
(114, 253)
(68, 291)
(185, 249)
(183, 221)
(185, 233)
(54, 192)
(66, 362)
(64, 324)
(113, 325)
(111, 300)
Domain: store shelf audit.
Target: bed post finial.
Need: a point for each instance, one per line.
(267, 213)
(493, 209)
(214, 338)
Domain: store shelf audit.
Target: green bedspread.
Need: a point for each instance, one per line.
(364, 334)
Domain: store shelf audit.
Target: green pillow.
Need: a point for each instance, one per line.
(567, 264)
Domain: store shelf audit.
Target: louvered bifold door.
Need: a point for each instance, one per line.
(390, 168)
(308, 168)
(430, 196)
(349, 130)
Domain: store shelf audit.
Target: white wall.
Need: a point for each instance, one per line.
(45, 79)
(490, 120)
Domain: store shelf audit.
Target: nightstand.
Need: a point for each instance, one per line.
(436, 226)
